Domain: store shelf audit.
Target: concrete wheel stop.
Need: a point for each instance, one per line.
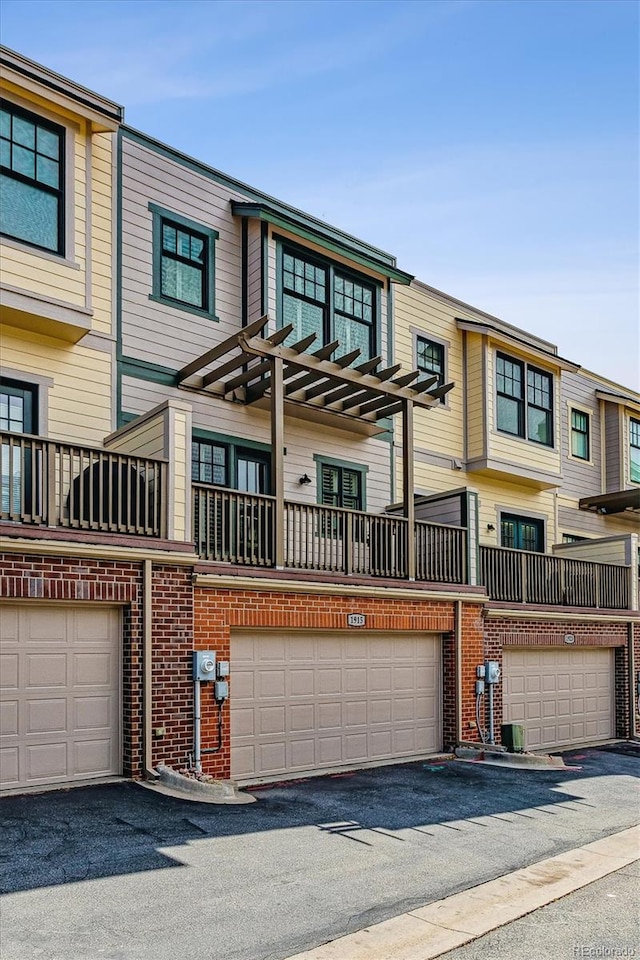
(491, 753)
(172, 783)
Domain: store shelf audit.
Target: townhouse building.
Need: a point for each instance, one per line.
(541, 457)
(227, 426)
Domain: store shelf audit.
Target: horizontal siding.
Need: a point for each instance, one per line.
(613, 441)
(147, 440)
(477, 412)
(586, 523)
(254, 271)
(302, 439)
(102, 253)
(79, 400)
(580, 478)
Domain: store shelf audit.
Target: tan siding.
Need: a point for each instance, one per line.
(254, 271)
(79, 401)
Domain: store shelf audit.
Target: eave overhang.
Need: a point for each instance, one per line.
(620, 501)
(317, 386)
(331, 239)
(621, 399)
(103, 114)
(518, 343)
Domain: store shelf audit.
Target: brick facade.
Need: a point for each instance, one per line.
(500, 633)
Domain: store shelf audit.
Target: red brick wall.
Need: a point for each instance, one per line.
(218, 611)
(500, 633)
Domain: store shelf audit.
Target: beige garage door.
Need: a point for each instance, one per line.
(59, 694)
(562, 696)
(317, 700)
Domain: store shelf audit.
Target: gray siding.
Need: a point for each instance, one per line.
(612, 447)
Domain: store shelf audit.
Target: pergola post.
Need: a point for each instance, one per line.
(407, 486)
(277, 457)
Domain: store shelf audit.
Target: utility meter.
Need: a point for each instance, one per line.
(204, 665)
(492, 671)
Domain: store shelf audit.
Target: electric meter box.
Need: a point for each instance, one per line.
(492, 671)
(204, 665)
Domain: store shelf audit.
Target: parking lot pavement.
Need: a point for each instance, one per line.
(118, 872)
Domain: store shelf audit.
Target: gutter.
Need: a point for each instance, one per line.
(147, 674)
(457, 626)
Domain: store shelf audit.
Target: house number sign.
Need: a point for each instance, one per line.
(356, 619)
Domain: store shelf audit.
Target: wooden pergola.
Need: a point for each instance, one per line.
(251, 368)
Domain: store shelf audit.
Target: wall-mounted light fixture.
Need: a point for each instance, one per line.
(304, 480)
(490, 526)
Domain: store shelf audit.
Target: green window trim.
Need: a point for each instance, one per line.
(234, 449)
(521, 533)
(634, 450)
(580, 435)
(321, 296)
(165, 222)
(32, 179)
(524, 401)
(343, 469)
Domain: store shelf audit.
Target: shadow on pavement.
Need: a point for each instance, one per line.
(117, 829)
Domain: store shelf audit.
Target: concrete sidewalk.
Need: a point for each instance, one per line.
(432, 930)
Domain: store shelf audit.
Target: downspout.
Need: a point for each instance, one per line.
(457, 627)
(147, 675)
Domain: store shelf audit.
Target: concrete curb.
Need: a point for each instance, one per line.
(432, 930)
(219, 791)
(538, 761)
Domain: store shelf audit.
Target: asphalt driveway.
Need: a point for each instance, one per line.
(121, 873)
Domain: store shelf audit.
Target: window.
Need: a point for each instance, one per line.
(579, 434)
(318, 297)
(20, 487)
(230, 465)
(634, 450)
(183, 263)
(521, 533)
(341, 487)
(31, 179)
(524, 406)
(572, 538)
(430, 359)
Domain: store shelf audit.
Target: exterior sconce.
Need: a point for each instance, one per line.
(304, 480)
(490, 526)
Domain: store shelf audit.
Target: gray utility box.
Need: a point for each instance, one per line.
(513, 737)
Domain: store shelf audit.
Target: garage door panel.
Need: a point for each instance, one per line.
(61, 721)
(9, 671)
(344, 705)
(562, 696)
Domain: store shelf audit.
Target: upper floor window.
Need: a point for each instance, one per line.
(318, 297)
(31, 179)
(634, 450)
(230, 465)
(341, 486)
(430, 358)
(183, 263)
(524, 406)
(572, 538)
(580, 434)
(521, 533)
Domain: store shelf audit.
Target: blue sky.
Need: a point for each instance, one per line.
(492, 146)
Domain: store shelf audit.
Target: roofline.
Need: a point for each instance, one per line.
(497, 331)
(42, 75)
(382, 258)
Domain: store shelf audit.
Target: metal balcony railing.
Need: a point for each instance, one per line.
(522, 576)
(57, 484)
(238, 528)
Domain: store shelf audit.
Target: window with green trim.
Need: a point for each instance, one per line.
(31, 179)
(521, 533)
(524, 400)
(230, 465)
(319, 297)
(430, 358)
(341, 487)
(634, 450)
(580, 435)
(183, 263)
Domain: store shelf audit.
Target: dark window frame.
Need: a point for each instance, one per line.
(520, 535)
(583, 432)
(235, 448)
(330, 311)
(529, 382)
(162, 217)
(634, 444)
(58, 192)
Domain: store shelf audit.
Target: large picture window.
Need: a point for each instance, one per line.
(31, 179)
(183, 263)
(524, 400)
(634, 450)
(319, 297)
